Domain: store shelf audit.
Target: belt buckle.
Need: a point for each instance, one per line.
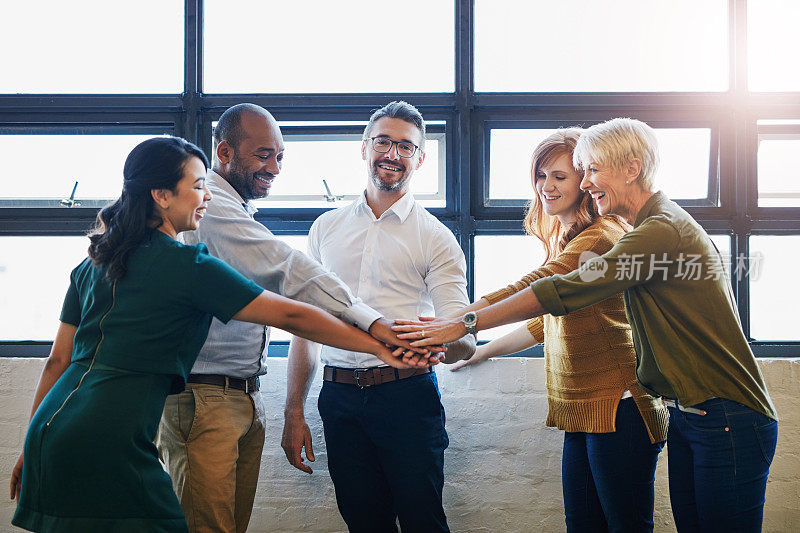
(358, 373)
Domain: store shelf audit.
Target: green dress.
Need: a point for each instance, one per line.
(90, 462)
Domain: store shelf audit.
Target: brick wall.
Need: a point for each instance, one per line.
(502, 469)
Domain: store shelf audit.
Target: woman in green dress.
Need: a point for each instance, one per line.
(134, 318)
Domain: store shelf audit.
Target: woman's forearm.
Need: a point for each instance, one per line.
(521, 306)
(316, 325)
(307, 321)
(512, 342)
(478, 304)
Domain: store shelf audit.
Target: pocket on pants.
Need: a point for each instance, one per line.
(767, 437)
(187, 412)
(713, 421)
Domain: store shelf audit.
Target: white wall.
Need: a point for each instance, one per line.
(502, 469)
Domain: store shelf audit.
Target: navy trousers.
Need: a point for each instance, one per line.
(608, 478)
(385, 447)
(718, 466)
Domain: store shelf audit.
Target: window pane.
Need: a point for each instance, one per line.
(493, 270)
(336, 158)
(34, 276)
(773, 296)
(773, 49)
(601, 46)
(92, 46)
(298, 242)
(94, 161)
(778, 183)
(353, 46)
(683, 173)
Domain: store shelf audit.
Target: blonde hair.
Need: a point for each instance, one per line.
(615, 143)
(544, 227)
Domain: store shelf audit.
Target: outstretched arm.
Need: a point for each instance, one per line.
(518, 307)
(514, 341)
(312, 323)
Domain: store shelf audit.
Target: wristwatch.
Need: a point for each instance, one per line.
(470, 321)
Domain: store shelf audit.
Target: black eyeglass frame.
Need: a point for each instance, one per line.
(392, 143)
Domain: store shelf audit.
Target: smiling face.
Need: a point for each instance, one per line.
(558, 185)
(252, 165)
(182, 208)
(390, 171)
(608, 187)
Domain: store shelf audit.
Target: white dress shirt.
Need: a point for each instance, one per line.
(404, 264)
(237, 349)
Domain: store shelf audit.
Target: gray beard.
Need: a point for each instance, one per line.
(381, 186)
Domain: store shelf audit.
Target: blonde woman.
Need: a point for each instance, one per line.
(689, 342)
(613, 429)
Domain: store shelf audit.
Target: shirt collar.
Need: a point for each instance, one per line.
(222, 183)
(401, 208)
(649, 206)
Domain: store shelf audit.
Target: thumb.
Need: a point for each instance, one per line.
(458, 365)
(426, 318)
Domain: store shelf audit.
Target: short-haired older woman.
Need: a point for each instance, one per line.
(689, 343)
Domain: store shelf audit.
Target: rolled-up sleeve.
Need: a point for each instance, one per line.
(630, 262)
(536, 328)
(446, 279)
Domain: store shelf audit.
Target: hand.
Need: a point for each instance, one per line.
(430, 331)
(16, 478)
(381, 329)
(296, 436)
(478, 357)
(434, 357)
(400, 357)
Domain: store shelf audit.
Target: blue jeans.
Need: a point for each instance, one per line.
(608, 478)
(718, 466)
(385, 447)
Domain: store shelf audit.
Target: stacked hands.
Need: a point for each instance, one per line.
(405, 353)
(429, 332)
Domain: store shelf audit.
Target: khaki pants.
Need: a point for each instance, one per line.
(211, 439)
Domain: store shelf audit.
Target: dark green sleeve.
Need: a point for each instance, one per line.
(218, 289)
(632, 261)
(71, 309)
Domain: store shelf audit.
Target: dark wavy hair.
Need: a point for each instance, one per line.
(156, 163)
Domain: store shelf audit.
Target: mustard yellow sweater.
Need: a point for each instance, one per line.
(589, 355)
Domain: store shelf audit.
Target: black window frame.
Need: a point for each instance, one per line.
(732, 116)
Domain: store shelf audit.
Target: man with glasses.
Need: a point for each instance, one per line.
(384, 429)
(212, 435)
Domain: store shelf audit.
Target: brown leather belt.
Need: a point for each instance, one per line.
(246, 385)
(367, 377)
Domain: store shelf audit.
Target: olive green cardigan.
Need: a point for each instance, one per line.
(686, 331)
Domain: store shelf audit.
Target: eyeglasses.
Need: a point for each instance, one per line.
(382, 145)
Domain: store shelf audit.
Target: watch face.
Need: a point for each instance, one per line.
(470, 318)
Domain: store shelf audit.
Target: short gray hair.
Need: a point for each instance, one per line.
(615, 143)
(403, 111)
